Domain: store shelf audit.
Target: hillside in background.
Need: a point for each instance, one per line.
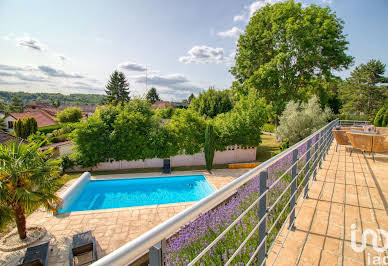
(71, 99)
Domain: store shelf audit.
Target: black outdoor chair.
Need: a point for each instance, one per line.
(36, 255)
(83, 250)
(166, 166)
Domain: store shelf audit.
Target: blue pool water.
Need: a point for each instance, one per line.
(107, 194)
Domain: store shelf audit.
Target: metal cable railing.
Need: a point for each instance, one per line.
(154, 240)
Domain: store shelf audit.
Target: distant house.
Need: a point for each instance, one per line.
(43, 117)
(162, 105)
(5, 137)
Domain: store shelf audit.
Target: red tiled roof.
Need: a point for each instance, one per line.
(162, 104)
(42, 117)
(5, 137)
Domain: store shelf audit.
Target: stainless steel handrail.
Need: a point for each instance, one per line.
(130, 251)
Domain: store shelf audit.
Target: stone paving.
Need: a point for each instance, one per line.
(112, 227)
(348, 190)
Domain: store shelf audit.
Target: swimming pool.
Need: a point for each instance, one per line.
(118, 193)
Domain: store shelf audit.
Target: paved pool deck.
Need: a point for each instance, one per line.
(111, 227)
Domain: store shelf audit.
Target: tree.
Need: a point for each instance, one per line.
(381, 119)
(209, 146)
(191, 98)
(152, 96)
(243, 124)
(286, 49)
(300, 120)
(3, 108)
(187, 128)
(16, 105)
(364, 91)
(165, 113)
(212, 102)
(28, 185)
(25, 127)
(117, 89)
(70, 115)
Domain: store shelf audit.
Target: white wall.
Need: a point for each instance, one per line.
(233, 154)
(9, 118)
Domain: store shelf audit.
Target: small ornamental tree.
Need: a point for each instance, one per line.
(70, 115)
(28, 185)
(381, 119)
(210, 146)
(152, 96)
(25, 127)
(300, 120)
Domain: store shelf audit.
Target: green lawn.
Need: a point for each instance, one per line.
(267, 148)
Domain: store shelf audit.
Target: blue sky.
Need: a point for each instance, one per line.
(186, 46)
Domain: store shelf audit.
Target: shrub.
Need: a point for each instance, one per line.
(300, 120)
(165, 113)
(209, 146)
(268, 128)
(68, 161)
(381, 119)
(40, 138)
(49, 129)
(71, 114)
(25, 127)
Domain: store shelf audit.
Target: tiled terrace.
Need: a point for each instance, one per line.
(348, 190)
(112, 228)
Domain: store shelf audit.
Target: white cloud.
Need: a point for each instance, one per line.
(250, 10)
(62, 57)
(233, 32)
(30, 43)
(238, 18)
(203, 54)
(52, 72)
(131, 66)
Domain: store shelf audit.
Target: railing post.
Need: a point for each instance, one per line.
(306, 172)
(325, 141)
(156, 253)
(321, 141)
(262, 211)
(316, 156)
(293, 188)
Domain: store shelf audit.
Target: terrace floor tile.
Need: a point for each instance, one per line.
(352, 190)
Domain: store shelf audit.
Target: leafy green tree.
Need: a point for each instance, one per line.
(28, 185)
(70, 115)
(117, 89)
(381, 119)
(300, 120)
(3, 108)
(165, 113)
(243, 124)
(286, 49)
(364, 91)
(25, 127)
(212, 102)
(152, 96)
(209, 146)
(16, 105)
(188, 128)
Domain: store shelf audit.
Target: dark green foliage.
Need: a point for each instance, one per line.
(71, 99)
(71, 114)
(3, 108)
(286, 50)
(67, 162)
(117, 89)
(381, 119)
(191, 98)
(16, 105)
(364, 91)
(152, 96)
(209, 146)
(165, 113)
(25, 127)
(285, 144)
(49, 129)
(212, 102)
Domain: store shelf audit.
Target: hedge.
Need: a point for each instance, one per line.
(49, 129)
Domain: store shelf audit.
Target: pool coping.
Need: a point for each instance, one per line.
(92, 178)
